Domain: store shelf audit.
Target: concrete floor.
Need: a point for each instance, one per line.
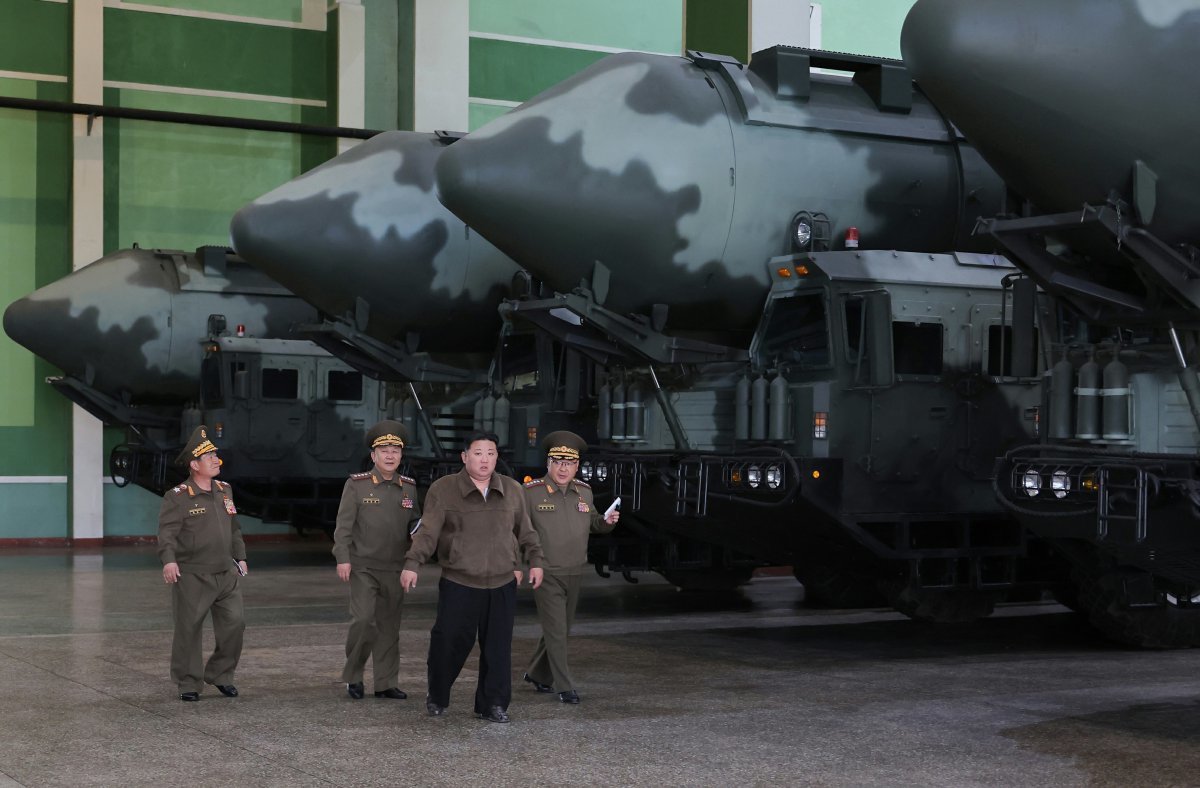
(746, 690)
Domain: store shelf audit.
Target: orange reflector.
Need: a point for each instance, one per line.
(802, 270)
(784, 272)
(816, 474)
(1089, 483)
(735, 477)
(528, 478)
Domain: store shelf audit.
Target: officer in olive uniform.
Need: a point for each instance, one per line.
(369, 544)
(563, 515)
(202, 552)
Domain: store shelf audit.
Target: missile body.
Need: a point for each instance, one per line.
(131, 323)
(363, 235)
(682, 175)
(1063, 98)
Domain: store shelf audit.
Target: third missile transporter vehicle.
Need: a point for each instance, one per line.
(1080, 111)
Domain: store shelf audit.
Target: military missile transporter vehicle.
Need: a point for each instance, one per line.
(1079, 110)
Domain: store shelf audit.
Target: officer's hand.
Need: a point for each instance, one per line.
(535, 577)
(171, 573)
(245, 569)
(517, 574)
(613, 517)
(408, 579)
(343, 572)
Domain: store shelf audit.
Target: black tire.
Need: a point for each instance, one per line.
(1104, 598)
(943, 605)
(838, 586)
(707, 580)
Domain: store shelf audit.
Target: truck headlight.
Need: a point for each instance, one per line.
(1031, 483)
(1060, 483)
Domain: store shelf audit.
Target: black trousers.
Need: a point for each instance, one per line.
(464, 614)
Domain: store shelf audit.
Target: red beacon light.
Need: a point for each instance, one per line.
(241, 329)
(852, 238)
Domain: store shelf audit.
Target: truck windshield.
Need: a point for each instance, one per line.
(797, 332)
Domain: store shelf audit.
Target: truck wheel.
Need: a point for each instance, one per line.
(838, 586)
(1105, 599)
(707, 579)
(943, 605)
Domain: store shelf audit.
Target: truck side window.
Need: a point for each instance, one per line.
(210, 383)
(280, 383)
(344, 386)
(917, 348)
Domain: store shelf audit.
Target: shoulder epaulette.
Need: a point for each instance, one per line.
(221, 485)
(534, 482)
(582, 483)
(408, 480)
(363, 475)
(178, 490)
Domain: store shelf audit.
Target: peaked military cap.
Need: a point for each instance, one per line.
(197, 446)
(388, 432)
(563, 445)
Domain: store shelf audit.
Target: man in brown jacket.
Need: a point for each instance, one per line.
(202, 552)
(475, 520)
(563, 514)
(368, 544)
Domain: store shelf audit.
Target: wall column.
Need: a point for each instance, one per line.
(441, 79)
(351, 69)
(87, 245)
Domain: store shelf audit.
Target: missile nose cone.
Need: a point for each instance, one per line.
(22, 322)
(602, 168)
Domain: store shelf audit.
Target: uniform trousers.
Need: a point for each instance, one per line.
(463, 615)
(191, 600)
(556, 598)
(376, 601)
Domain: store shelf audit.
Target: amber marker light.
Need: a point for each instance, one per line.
(784, 272)
(802, 270)
(816, 474)
(1089, 483)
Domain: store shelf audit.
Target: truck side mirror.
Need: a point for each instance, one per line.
(878, 336)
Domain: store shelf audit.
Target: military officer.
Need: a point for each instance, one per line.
(202, 552)
(369, 543)
(563, 515)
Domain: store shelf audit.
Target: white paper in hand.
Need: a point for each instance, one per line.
(612, 507)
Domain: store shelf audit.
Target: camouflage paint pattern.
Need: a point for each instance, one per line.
(368, 225)
(1063, 97)
(683, 180)
(131, 323)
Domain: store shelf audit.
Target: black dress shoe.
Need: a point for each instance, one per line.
(228, 690)
(190, 697)
(495, 714)
(434, 709)
(570, 696)
(393, 693)
(537, 685)
(355, 690)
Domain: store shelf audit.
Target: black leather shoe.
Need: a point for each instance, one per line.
(495, 714)
(434, 709)
(537, 685)
(570, 696)
(393, 693)
(355, 690)
(190, 697)
(228, 690)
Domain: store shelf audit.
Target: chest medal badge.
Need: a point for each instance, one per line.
(198, 510)
(229, 507)
(407, 503)
(545, 507)
(583, 507)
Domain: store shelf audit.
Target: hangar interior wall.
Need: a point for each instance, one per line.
(175, 186)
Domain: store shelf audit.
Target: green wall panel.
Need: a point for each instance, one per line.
(35, 238)
(283, 10)
(650, 25)
(482, 114)
(719, 26)
(33, 511)
(517, 72)
(35, 36)
(162, 49)
(864, 27)
(133, 511)
(175, 186)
